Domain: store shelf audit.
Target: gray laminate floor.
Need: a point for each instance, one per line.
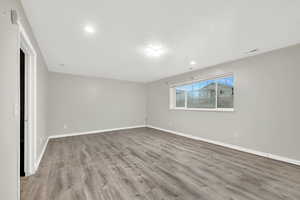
(149, 164)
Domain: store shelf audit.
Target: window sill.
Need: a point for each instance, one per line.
(206, 109)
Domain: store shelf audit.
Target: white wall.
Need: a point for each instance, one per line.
(87, 104)
(9, 124)
(9, 89)
(267, 111)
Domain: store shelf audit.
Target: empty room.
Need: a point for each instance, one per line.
(149, 100)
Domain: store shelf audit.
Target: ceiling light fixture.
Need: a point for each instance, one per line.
(155, 50)
(89, 29)
(193, 62)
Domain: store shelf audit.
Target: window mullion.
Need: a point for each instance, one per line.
(185, 98)
(216, 106)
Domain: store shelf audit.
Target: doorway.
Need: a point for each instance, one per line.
(27, 105)
(23, 110)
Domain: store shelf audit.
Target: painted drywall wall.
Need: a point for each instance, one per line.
(266, 116)
(9, 88)
(81, 104)
(9, 122)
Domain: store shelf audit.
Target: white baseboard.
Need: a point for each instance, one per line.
(37, 164)
(93, 132)
(235, 147)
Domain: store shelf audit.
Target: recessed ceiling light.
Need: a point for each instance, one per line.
(89, 29)
(155, 50)
(193, 62)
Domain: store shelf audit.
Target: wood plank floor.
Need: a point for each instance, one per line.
(148, 164)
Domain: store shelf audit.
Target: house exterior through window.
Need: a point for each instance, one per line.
(216, 94)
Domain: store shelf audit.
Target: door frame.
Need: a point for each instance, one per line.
(30, 145)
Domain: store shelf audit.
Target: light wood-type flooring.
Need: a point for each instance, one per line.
(148, 164)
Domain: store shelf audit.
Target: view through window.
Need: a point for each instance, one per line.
(208, 94)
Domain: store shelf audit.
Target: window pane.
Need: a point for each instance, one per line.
(180, 98)
(225, 92)
(202, 95)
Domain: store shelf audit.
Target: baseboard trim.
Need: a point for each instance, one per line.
(235, 147)
(37, 164)
(94, 131)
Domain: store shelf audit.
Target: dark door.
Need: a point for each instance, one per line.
(22, 112)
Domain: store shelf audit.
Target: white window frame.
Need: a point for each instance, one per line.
(172, 95)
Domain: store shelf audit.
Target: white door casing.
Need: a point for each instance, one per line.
(30, 105)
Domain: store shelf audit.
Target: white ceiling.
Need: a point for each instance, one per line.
(207, 31)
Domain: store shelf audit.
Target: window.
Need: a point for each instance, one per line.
(180, 98)
(213, 94)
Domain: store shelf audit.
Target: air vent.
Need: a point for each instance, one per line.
(253, 51)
